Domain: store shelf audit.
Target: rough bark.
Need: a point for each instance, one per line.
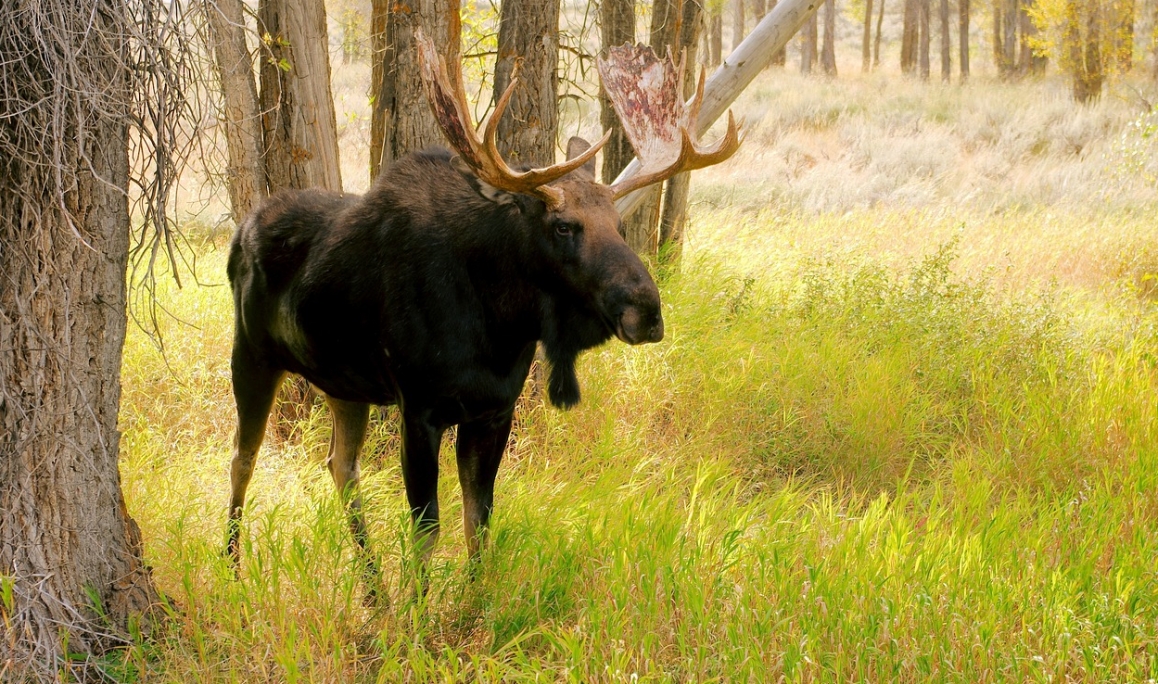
(617, 21)
(242, 121)
(808, 45)
(529, 30)
(946, 48)
(301, 137)
(963, 37)
(828, 46)
(401, 121)
(866, 54)
(67, 543)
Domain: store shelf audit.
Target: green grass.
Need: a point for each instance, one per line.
(848, 467)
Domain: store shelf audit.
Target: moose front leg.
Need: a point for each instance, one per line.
(479, 449)
(420, 442)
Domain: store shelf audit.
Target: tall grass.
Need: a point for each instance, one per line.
(843, 469)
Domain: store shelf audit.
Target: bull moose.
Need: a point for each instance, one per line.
(432, 290)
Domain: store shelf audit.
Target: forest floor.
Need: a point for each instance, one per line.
(902, 428)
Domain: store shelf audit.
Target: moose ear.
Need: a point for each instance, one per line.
(577, 146)
(483, 188)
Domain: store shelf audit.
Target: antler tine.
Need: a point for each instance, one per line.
(645, 93)
(448, 102)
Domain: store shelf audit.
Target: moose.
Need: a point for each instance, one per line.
(432, 290)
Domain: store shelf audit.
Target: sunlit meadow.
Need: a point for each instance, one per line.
(902, 428)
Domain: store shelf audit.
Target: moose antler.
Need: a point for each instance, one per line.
(448, 100)
(645, 92)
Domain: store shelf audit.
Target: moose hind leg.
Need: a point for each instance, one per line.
(479, 450)
(346, 440)
(254, 387)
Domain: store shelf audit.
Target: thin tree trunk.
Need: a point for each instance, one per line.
(998, 23)
(1009, 37)
(910, 36)
(70, 554)
(780, 58)
(808, 45)
(401, 121)
(924, 6)
(301, 137)
(716, 39)
(529, 31)
(866, 54)
(963, 37)
(674, 210)
(828, 47)
(617, 20)
(1124, 36)
(877, 40)
(234, 66)
(946, 63)
(737, 22)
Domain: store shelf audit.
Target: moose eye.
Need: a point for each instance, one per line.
(565, 229)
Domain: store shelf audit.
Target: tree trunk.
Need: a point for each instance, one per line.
(234, 66)
(924, 39)
(674, 210)
(617, 20)
(866, 54)
(70, 555)
(1085, 51)
(780, 57)
(301, 137)
(828, 47)
(716, 40)
(1124, 36)
(808, 45)
(737, 22)
(877, 40)
(946, 63)
(1009, 17)
(661, 215)
(963, 37)
(1029, 63)
(529, 30)
(910, 34)
(401, 121)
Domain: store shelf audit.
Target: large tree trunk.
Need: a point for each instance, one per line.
(246, 172)
(401, 121)
(963, 37)
(946, 48)
(529, 30)
(67, 543)
(301, 137)
(617, 19)
(828, 47)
